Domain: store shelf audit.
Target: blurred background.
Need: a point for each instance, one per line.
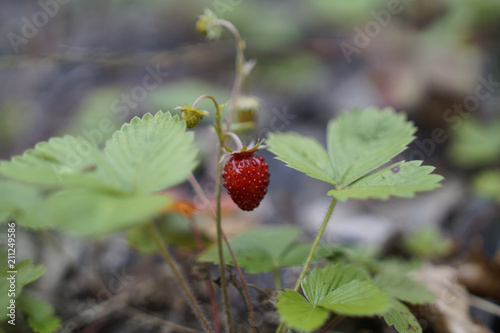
(86, 67)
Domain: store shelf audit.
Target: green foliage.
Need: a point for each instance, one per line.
(401, 318)
(476, 144)
(358, 142)
(261, 250)
(40, 314)
(401, 179)
(345, 290)
(94, 192)
(403, 287)
(15, 198)
(362, 140)
(152, 153)
(427, 242)
(487, 184)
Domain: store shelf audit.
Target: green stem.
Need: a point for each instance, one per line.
(170, 261)
(315, 244)
(311, 253)
(222, 266)
(277, 277)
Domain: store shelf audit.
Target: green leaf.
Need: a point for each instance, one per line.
(321, 281)
(302, 153)
(152, 153)
(298, 313)
(476, 144)
(61, 162)
(359, 142)
(16, 197)
(487, 184)
(362, 140)
(149, 154)
(402, 319)
(40, 314)
(401, 179)
(346, 290)
(403, 287)
(258, 250)
(87, 213)
(357, 298)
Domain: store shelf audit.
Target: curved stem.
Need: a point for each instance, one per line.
(170, 261)
(240, 62)
(315, 244)
(204, 198)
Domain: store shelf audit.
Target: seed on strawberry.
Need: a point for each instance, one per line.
(246, 177)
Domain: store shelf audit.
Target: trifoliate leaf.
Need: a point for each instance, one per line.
(476, 144)
(149, 154)
(321, 281)
(346, 290)
(358, 142)
(401, 179)
(487, 184)
(40, 314)
(16, 197)
(258, 250)
(357, 298)
(302, 153)
(152, 153)
(298, 313)
(403, 287)
(88, 213)
(362, 140)
(401, 318)
(61, 162)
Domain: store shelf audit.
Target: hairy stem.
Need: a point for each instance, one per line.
(170, 261)
(315, 244)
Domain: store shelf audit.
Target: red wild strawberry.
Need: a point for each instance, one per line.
(246, 178)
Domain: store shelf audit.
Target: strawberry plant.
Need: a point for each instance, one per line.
(71, 185)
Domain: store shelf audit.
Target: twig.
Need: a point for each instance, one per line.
(170, 261)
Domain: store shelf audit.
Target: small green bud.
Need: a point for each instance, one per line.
(191, 116)
(247, 108)
(205, 25)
